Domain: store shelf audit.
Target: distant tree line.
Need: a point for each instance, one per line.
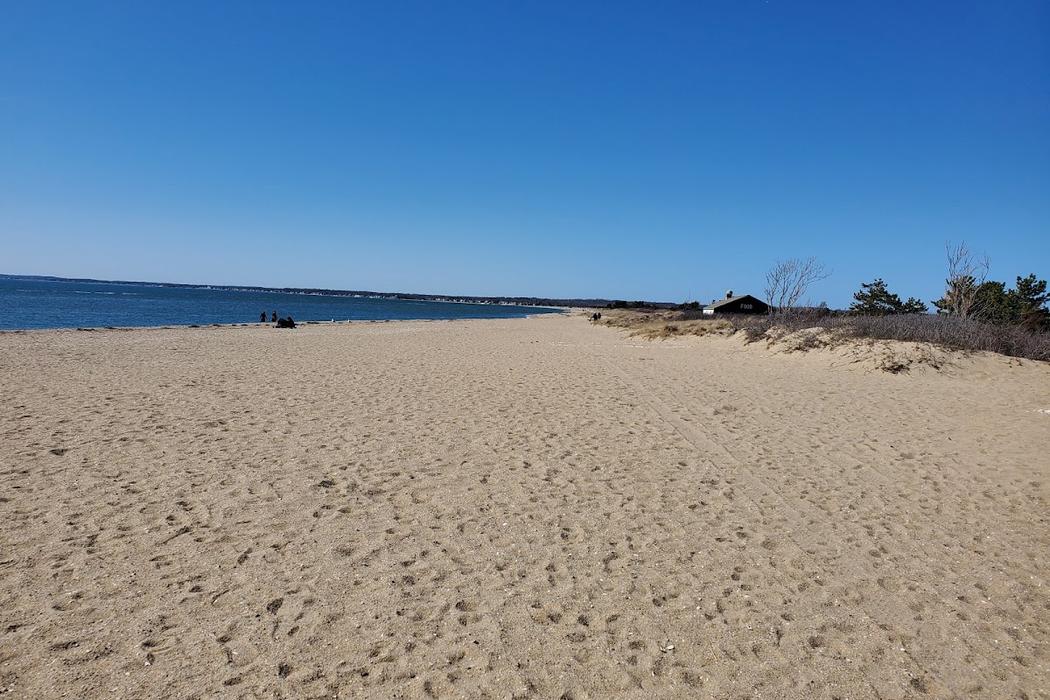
(621, 304)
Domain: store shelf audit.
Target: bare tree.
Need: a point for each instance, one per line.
(966, 274)
(788, 281)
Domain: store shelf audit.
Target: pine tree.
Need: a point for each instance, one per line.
(914, 305)
(1030, 299)
(993, 302)
(875, 299)
(1030, 293)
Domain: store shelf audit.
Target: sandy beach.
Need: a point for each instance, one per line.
(529, 508)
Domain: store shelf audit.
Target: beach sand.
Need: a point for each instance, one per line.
(515, 508)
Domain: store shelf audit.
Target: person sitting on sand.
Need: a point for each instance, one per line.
(286, 322)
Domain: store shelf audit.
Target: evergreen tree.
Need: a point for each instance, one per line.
(1030, 298)
(1030, 293)
(914, 305)
(875, 299)
(993, 302)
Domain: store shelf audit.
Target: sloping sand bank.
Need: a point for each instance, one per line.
(529, 508)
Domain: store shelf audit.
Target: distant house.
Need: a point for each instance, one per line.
(745, 304)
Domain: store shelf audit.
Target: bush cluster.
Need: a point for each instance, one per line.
(970, 334)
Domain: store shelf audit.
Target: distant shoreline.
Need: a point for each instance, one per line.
(546, 302)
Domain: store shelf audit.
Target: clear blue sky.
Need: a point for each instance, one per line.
(629, 150)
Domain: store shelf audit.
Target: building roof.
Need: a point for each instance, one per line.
(723, 302)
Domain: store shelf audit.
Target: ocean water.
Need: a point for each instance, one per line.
(30, 303)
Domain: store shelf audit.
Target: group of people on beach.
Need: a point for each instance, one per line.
(280, 322)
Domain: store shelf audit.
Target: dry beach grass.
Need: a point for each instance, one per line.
(517, 508)
(814, 328)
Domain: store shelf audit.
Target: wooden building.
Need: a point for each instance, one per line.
(745, 304)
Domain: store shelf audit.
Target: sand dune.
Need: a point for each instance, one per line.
(515, 508)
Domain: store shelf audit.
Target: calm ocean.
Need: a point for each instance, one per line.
(30, 303)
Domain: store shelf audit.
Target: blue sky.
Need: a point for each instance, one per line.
(646, 150)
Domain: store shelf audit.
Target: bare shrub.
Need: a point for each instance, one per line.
(808, 341)
(754, 328)
(788, 281)
(966, 274)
